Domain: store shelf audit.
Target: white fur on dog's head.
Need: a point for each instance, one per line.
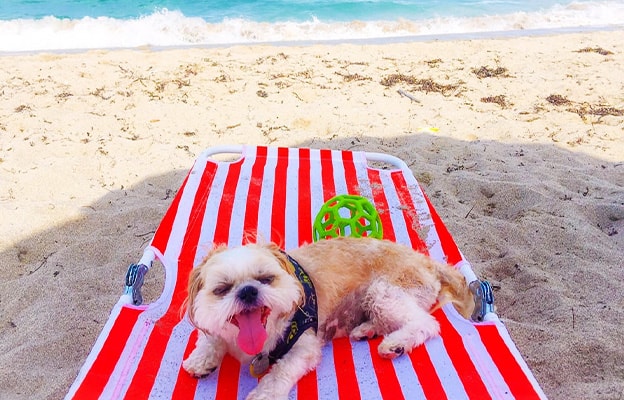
(245, 295)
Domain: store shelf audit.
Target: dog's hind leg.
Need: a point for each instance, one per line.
(413, 333)
(401, 314)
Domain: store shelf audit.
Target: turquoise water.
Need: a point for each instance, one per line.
(27, 25)
(266, 10)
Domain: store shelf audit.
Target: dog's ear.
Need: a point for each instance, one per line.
(196, 283)
(281, 257)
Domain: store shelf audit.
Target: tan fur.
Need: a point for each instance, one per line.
(455, 290)
(364, 287)
(195, 285)
(345, 263)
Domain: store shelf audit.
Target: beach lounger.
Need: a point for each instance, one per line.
(276, 193)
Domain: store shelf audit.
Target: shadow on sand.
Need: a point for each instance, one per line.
(545, 225)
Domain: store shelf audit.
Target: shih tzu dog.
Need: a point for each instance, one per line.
(276, 310)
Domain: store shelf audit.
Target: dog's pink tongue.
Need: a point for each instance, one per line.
(251, 335)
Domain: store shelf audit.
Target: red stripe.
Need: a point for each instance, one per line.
(453, 256)
(409, 212)
(389, 384)
(186, 385)
(304, 201)
(108, 357)
(348, 387)
(307, 388)
(327, 175)
(161, 237)
(427, 375)
(454, 344)
(513, 374)
(152, 355)
(250, 225)
(381, 204)
(227, 384)
(278, 205)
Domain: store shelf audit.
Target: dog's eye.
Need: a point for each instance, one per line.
(266, 280)
(222, 289)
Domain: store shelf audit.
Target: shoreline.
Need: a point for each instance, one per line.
(517, 142)
(476, 35)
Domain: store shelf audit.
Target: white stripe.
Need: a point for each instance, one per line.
(432, 239)
(366, 377)
(394, 208)
(410, 385)
(246, 382)
(445, 369)
(327, 382)
(292, 395)
(361, 171)
(128, 361)
(171, 362)
(291, 239)
(340, 180)
(479, 355)
(265, 208)
(209, 224)
(207, 387)
(237, 224)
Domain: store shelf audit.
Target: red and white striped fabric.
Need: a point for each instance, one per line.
(276, 193)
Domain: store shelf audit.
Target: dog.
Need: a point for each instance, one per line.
(276, 310)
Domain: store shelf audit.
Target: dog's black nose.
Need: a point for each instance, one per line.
(248, 294)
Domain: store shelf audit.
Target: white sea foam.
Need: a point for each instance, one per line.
(172, 28)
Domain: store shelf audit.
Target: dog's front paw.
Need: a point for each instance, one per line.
(206, 356)
(198, 366)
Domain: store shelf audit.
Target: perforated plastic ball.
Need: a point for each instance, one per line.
(347, 215)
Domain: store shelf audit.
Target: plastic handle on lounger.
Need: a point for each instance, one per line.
(483, 298)
(388, 159)
(225, 149)
(134, 282)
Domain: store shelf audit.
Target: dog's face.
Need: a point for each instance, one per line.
(244, 295)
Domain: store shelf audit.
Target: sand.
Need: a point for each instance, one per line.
(519, 142)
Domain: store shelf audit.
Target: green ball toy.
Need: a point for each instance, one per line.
(347, 215)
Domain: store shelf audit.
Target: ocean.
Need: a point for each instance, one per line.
(42, 25)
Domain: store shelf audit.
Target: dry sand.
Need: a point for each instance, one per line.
(519, 142)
